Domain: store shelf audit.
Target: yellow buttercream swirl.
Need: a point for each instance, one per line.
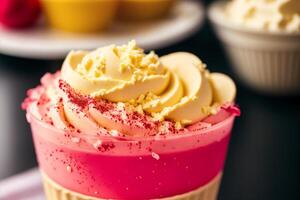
(176, 86)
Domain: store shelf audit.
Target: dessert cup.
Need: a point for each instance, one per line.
(116, 123)
(137, 10)
(79, 16)
(265, 60)
(185, 166)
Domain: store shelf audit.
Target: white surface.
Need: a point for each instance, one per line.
(25, 186)
(43, 43)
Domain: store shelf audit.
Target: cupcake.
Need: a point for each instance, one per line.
(262, 40)
(79, 16)
(141, 10)
(117, 123)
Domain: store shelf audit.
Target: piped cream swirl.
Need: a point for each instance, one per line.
(176, 86)
(122, 88)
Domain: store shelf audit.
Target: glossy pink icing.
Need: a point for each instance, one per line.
(136, 168)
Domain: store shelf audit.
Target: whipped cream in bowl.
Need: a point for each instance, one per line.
(262, 41)
(271, 15)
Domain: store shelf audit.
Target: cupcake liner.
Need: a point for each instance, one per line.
(56, 192)
(266, 61)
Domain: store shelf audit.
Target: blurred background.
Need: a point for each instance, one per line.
(263, 159)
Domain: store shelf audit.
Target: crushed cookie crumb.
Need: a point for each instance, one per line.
(114, 133)
(97, 144)
(155, 156)
(69, 169)
(75, 139)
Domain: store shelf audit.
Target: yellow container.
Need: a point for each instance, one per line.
(83, 16)
(140, 10)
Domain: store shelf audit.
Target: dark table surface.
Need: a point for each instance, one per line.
(263, 158)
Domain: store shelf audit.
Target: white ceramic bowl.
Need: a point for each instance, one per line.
(266, 61)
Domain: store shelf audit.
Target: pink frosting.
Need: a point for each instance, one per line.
(120, 168)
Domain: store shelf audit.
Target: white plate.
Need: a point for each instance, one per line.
(25, 186)
(43, 43)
